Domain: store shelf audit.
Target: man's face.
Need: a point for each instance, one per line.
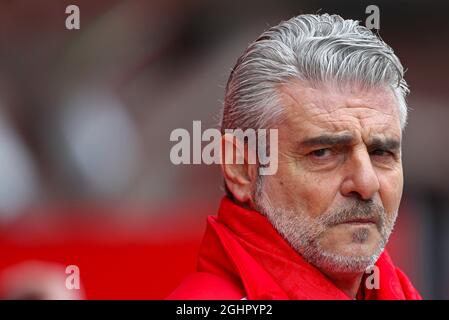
(339, 182)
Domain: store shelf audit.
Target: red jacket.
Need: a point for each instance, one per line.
(243, 256)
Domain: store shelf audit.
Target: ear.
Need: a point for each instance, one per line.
(240, 176)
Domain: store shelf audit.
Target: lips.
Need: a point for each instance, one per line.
(361, 221)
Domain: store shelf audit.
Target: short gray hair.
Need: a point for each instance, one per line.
(314, 48)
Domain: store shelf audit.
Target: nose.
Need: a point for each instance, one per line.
(360, 179)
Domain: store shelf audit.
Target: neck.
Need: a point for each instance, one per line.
(349, 283)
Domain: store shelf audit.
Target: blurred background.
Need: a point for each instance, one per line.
(85, 121)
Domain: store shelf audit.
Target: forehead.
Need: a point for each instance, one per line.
(365, 113)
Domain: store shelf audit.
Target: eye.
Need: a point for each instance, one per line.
(381, 152)
(320, 153)
(325, 158)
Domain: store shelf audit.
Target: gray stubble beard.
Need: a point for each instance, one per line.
(303, 232)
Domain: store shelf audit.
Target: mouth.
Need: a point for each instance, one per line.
(357, 221)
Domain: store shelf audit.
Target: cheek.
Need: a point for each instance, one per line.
(391, 186)
(321, 191)
(294, 188)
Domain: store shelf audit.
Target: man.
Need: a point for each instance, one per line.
(336, 94)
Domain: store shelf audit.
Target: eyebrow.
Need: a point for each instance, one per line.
(329, 140)
(384, 144)
(347, 139)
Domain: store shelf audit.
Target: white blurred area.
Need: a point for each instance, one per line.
(99, 145)
(19, 178)
(102, 142)
(38, 280)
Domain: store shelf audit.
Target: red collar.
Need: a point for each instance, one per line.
(241, 245)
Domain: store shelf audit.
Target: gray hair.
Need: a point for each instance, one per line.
(313, 48)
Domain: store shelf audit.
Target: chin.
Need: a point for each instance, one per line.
(336, 263)
(351, 241)
(356, 250)
(345, 257)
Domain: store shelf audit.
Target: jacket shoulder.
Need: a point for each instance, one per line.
(410, 291)
(207, 286)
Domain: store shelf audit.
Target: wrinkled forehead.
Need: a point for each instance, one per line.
(365, 113)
